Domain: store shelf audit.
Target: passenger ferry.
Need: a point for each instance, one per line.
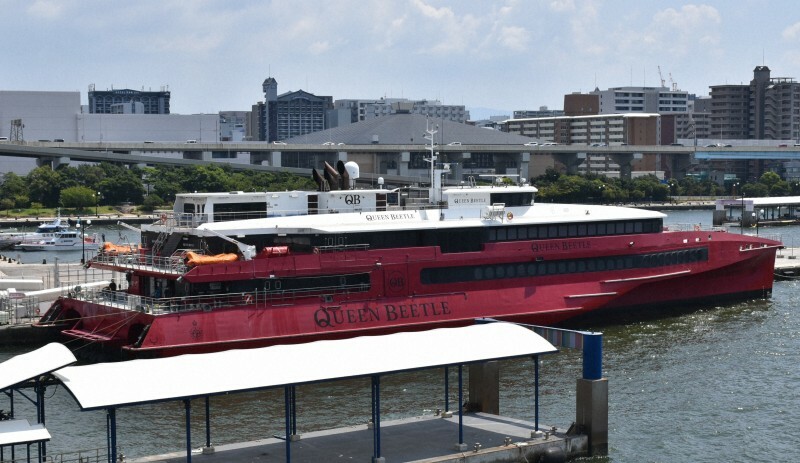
(341, 262)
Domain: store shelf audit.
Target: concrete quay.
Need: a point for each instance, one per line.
(430, 439)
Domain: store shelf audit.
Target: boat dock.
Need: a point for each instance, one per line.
(787, 264)
(428, 438)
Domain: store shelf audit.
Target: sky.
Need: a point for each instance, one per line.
(494, 57)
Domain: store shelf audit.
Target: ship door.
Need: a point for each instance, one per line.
(395, 281)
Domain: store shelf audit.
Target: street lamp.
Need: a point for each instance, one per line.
(741, 221)
(83, 238)
(96, 204)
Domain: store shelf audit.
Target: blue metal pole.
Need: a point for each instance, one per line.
(460, 404)
(294, 410)
(208, 422)
(374, 418)
(536, 392)
(111, 419)
(188, 406)
(446, 389)
(592, 356)
(287, 411)
(376, 381)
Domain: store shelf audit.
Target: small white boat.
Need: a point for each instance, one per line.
(44, 231)
(62, 241)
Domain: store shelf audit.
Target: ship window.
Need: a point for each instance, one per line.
(522, 270)
(501, 234)
(601, 229)
(591, 229)
(552, 231)
(562, 231)
(532, 234)
(629, 227)
(620, 228)
(582, 229)
(542, 269)
(522, 232)
(512, 233)
(638, 227)
(492, 234)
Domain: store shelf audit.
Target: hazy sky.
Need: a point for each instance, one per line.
(503, 55)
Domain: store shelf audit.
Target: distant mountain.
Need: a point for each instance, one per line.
(476, 114)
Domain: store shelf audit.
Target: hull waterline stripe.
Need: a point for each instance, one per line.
(574, 296)
(650, 277)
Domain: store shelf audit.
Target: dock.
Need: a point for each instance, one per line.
(787, 264)
(421, 439)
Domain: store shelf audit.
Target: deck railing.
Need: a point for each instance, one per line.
(170, 264)
(206, 302)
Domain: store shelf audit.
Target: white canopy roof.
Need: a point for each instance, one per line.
(140, 381)
(14, 432)
(35, 363)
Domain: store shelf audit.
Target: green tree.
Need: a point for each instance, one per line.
(151, 202)
(77, 197)
(124, 186)
(44, 186)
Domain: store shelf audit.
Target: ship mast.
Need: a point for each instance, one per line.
(435, 174)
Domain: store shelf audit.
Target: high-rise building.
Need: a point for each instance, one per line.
(768, 108)
(105, 101)
(291, 114)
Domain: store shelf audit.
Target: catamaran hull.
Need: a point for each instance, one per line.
(734, 270)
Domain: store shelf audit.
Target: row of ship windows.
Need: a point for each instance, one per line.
(463, 274)
(574, 230)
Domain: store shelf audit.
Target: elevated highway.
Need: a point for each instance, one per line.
(273, 156)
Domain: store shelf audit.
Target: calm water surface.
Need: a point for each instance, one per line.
(719, 384)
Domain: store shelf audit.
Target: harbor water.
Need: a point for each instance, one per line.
(710, 384)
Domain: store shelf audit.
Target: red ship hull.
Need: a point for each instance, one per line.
(543, 282)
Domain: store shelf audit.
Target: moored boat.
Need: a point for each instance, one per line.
(44, 231)
(60, 241)
(341, 262)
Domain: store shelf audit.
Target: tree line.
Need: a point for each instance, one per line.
(557, 187)
(90, 185)
(104, 184)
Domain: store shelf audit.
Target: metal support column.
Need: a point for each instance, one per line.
(40, 388)
(460, 405)
(208, 422)
(111, 434)
(376, 418)
(536, 392)
(446, 389)
(293, 403)
(288, 418)
(187, 404)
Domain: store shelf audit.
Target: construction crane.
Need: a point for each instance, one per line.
(663, 84)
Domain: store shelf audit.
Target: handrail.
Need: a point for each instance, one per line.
(206, 302)
(170, 264)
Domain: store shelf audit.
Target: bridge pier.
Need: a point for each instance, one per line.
(571, 161)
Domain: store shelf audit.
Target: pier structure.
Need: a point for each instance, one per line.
(755, 212)
(591, 407)
(20, 376)
(447, 436)
(115, 385)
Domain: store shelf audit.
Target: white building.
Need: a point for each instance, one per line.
(59, 116)
(659, 100)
